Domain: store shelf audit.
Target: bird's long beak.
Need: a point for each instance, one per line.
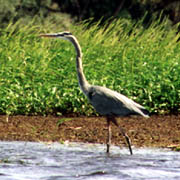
(49, 35)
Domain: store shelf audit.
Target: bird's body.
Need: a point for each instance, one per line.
(106, 102)
(109, 102)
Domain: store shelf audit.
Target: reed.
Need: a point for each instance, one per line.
(38, 76)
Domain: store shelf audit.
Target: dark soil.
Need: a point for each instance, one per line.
(156, 131)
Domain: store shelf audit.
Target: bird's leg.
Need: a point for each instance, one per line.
(123, 133)
(109, 135)
(127, 139)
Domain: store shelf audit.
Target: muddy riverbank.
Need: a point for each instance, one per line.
(157, 131)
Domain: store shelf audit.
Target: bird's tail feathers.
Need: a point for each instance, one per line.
(145, 112)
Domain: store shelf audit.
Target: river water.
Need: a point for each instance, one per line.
(79, 161)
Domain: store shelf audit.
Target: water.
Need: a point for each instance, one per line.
(78, 161)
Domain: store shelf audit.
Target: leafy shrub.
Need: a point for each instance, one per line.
(38, 76)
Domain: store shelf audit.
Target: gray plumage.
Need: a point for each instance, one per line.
(107, 102)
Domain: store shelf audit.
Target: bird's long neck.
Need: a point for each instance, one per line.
(84, 85)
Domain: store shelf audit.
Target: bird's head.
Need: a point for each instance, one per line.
(66, 36)
(62, 35)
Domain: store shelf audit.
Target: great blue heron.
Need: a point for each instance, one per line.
(106, 102)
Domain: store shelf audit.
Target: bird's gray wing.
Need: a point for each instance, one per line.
(107, 102)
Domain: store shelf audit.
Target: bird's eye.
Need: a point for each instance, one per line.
(67, 33)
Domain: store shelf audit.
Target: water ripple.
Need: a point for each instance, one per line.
(38, 161)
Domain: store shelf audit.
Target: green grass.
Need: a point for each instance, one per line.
(38, 76)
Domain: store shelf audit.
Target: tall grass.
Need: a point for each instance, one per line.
(38, 76)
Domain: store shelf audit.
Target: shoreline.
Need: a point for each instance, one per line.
(157, 131)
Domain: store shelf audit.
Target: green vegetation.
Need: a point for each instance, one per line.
(38, 76)
(62, 120)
